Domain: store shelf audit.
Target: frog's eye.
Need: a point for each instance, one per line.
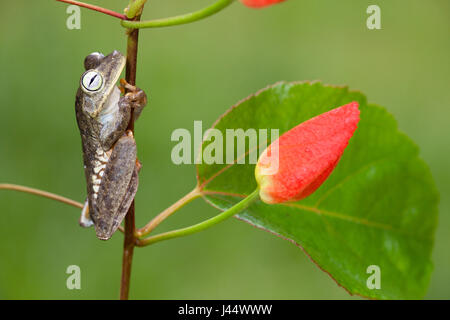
(92, 80)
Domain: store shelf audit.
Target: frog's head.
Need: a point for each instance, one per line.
(99, 80)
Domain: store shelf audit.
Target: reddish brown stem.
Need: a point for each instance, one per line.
(130, 239)
(96, 8)
(128, 250)
(41, 193)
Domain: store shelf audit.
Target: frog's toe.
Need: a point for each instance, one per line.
(125, 85)
(85, 218)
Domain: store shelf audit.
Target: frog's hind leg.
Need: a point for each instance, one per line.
(117, 188)
(131, 192)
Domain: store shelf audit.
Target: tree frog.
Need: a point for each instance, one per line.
(109, 149)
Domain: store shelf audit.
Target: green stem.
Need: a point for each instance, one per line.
(181, 19)
(135, 8)
(194, 194)
(202, 225)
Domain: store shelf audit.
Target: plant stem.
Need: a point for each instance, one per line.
(202, 225)
(96, 8)
(149, 227)
(128, 250)
(135, 8)
(129, 230)
(181, 19)
(45, 194)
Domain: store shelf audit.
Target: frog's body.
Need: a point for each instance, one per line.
(109, 150)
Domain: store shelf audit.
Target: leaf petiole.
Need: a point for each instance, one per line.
(177, 20)
(240, 206)
(149, 227)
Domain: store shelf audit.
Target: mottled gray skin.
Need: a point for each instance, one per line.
(109, 150)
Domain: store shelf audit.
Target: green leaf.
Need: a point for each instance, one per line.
(378, 207)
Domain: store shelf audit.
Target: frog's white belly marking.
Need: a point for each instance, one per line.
(101, 159)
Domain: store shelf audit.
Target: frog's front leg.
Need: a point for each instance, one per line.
(135, 97)
(114, 119)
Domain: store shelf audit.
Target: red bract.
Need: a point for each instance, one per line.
(260, 3)
(305, 155)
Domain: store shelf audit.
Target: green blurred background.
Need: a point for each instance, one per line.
(195, 72)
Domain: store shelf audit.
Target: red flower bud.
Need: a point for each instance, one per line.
(260, 3)
(298, 162)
